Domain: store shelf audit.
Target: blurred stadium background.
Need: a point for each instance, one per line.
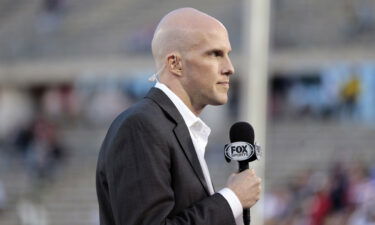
(68, 67)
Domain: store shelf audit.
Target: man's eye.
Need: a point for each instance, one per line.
(216, 53)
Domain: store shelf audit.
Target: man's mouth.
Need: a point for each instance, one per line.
(223, 83)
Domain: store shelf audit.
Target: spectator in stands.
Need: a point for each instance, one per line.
(44, 151)
(23, 138)
(350, 92)
(321, 204)
(362, 195)
(39, 145)
(339, 188)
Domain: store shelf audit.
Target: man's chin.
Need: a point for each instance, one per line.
(220, 101)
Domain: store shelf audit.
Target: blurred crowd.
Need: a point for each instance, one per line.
(41, 154)
(345, 195)
(39, 146)
(312, 198)
(33, 117)
(339, 92)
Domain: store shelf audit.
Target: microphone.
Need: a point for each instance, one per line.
(154, 77)
(242, 149)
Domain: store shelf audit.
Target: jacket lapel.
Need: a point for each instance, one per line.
(181, 132)
(183, 136)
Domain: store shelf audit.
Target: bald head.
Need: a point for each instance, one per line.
(180, 31)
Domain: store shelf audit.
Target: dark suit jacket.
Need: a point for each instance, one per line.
(148, 171)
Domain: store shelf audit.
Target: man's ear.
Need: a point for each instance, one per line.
(175, 64)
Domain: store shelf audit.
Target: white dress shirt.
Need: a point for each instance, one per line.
(199, 133)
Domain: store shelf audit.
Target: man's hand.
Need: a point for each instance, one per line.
(246, 185)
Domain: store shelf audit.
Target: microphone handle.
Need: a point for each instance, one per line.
(243, 166)
(246, 212)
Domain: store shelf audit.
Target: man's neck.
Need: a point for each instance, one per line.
(183, 95)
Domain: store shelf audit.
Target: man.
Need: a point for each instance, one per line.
(151, 167)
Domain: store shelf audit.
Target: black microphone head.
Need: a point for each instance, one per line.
(242, 131)
(242, 147)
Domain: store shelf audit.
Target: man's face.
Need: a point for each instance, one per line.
(207, 68)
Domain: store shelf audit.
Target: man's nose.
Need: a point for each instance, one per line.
(228, 68)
